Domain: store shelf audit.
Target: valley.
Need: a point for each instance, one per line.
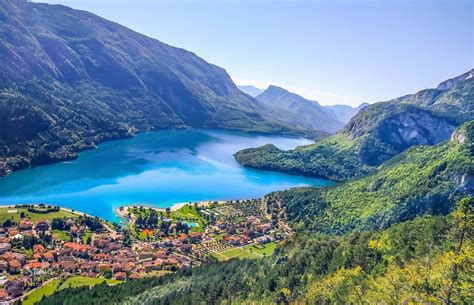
(136, 172)
(67, 91)
(199, 244)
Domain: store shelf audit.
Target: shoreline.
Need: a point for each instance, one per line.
(122, 211)
(14, 206)
(6, 170)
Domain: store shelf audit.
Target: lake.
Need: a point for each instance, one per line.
(158, 169)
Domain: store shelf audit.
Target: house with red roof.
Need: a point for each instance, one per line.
(121, 276)
(38, 248)
(25, 224)
(77, 249)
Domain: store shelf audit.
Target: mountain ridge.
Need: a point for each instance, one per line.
(251, 90)
(377, 133)
(309, 113)
(344, 112)
(71, 79)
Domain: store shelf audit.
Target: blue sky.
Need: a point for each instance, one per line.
(331, 51)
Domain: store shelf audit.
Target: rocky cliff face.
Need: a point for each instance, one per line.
(401, 125)
(450, 83)
(427, 117)
(464, 134)
(376, 134)
(417, 129)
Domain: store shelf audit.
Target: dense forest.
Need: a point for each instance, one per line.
(403, 234)
(424, 179)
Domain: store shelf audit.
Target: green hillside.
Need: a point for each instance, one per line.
(424, 179)
(335, 157)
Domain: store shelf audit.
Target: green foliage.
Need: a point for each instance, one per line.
(376, 134)
(438, 269)
(383, 245)
(333, 158)
(349, 263)
(93, 223)
(421, 180)
(13, 214)
(45, 290)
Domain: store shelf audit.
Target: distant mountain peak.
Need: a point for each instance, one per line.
(250, 90)
(273, 89)
(311, 113)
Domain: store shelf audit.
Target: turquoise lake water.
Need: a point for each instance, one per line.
(158, 168)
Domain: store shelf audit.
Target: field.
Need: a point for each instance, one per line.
(265, 250)
(62, 235)
(45, 290)
(51, 287)
(234, 253)
(77, 281)
(87, 234)
(154, 273)
(188, 212)
(14, 214)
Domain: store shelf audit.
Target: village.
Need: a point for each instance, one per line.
(44, 248)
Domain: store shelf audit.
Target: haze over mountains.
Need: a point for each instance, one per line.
(399, 229)
(251, 90)
(344, 112)
(311, 113)
(376, 134)
(70, 79)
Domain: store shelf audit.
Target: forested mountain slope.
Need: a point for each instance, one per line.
(376, 134)
(70, 79)
(423, 179)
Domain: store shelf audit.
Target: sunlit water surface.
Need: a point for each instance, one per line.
(158, 168)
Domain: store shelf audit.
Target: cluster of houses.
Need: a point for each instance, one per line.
(30, 254)
(229, 224)
(242, 222)
(15, 261)
(23, 268)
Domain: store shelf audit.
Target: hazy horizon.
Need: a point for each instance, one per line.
(342, 52)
